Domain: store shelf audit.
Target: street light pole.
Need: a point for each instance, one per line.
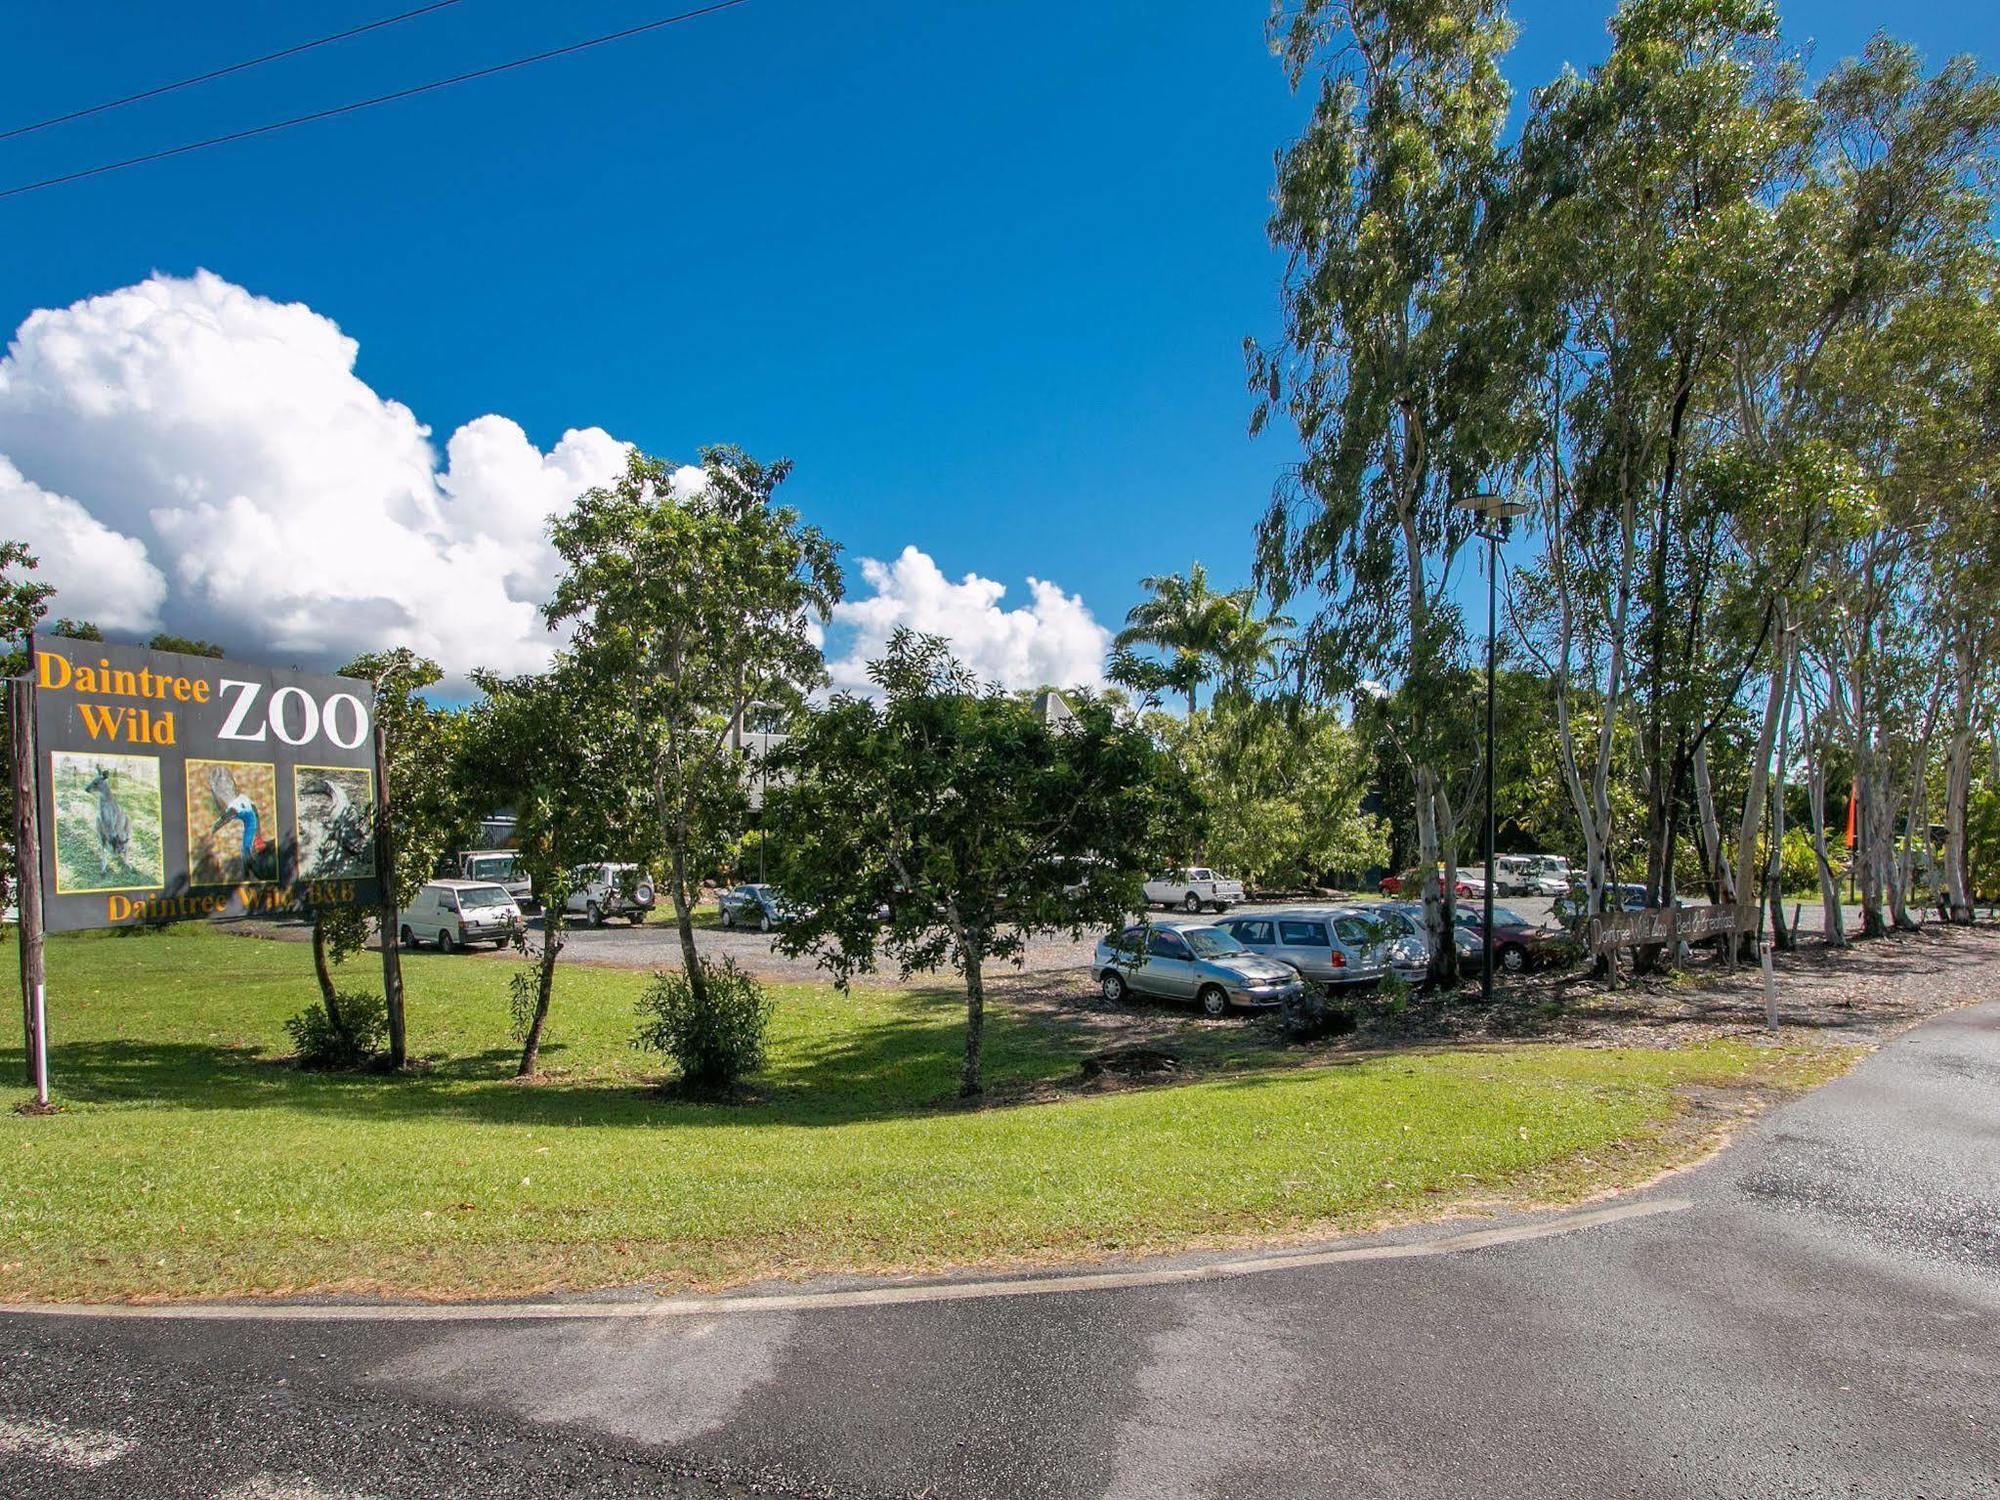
(1492, 823)
(1496, 512)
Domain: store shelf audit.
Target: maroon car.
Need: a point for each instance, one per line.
(1518, 944)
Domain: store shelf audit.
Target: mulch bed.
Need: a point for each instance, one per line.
(1857, 995)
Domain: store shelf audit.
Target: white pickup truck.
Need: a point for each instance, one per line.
(1192, 890)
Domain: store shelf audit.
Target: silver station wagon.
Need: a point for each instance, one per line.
(1190, 961)
(1334, 947)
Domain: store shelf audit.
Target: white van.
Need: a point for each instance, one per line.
(459, 913)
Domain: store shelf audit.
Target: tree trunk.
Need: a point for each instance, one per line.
(1781, 934)
(388, 927)
(1721, 881)
(545, 981)
(971, 1083)
(327, 995)
(1760, 776)
(684, 919)
(1430, 854)
(1833, 919)
(1958, 792)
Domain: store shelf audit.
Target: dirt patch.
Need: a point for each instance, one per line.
(1858, 995)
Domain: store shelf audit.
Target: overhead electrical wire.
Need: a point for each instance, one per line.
(215, 73)
(361, 104)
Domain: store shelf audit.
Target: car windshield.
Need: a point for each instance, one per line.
(1211, 942)
(482, 895)
(494, 867)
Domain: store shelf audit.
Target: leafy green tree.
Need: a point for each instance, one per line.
(558, 747)
(972, 823)
(186, 645)
(703, 603)
(23, 602)
(1281, 788)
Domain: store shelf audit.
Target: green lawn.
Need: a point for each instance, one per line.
(189, 1160)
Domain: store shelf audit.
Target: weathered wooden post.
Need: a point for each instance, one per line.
(387, 921)
(28, 880)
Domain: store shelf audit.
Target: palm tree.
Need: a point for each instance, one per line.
(1187, 622)
(1254, 648)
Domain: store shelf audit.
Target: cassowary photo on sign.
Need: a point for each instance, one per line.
(232, 814)
(336, 821)
(107, 822)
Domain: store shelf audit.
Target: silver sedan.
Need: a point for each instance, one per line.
(1191, 961)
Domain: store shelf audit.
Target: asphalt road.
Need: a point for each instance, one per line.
(1821, 1318)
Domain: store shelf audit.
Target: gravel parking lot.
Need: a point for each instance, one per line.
(656, 945)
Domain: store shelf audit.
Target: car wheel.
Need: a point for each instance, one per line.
(1191, 904)
(1214, 1000)
(593, 914)
(728, 919)
(445, 944)
(764, 922)
(1114, 987)
(635, 917)
(1513, 958)
(408, 938)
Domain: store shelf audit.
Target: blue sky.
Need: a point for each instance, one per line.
(983, 271)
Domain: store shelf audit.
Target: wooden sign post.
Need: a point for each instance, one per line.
(388, 925)
(28, 886)
(1663, 926)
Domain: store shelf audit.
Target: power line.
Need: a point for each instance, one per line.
(209, 77)
(361, 104)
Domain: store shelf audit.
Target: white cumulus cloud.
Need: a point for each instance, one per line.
(186, 453)
(1052, 639)
(98, 574)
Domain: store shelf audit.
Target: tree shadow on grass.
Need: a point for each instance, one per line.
(906, 1065)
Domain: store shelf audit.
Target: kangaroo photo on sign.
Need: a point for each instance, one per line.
(176, 786)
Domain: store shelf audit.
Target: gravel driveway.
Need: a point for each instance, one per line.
(656, 944)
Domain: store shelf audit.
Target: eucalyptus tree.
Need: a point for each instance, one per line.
(1397, 367)
(1638, 228)
(1887, 228)
(703, 599)
(946, 823)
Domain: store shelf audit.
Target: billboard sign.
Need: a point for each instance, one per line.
(173, 787)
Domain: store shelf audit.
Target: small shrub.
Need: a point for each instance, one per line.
(716, 1044)
(322, 1048)
(1313, 1015)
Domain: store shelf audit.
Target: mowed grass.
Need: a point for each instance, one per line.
(189, 1160)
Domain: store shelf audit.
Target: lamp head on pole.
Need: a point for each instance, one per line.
(1495, 508)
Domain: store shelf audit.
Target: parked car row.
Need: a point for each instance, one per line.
(1513, 875)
